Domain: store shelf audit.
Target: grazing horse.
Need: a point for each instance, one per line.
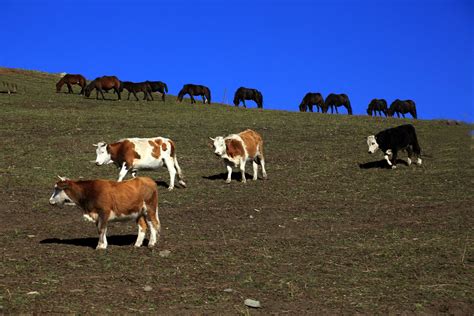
(193, 89)
(158, 86)
(133, 87)
(70, 80)
(243, 94)
(377, 105)
(402, 107)
(103, 83)
(335, 100)
(311, 99)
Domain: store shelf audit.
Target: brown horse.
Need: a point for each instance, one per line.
(70, 80)
(103, 83)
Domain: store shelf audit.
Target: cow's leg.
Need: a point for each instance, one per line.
(229, 173)
(387, 158)
(141, 223)
(179, 171)
(242, 170)
(262, 163)
(134, 173)
(255, 170)
(123, 172)
(172, 171)
(102, 229)
(155, 226)
(394, 159)
(410, 154)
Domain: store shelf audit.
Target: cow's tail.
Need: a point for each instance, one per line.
(176, 165)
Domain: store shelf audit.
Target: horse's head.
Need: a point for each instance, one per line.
(181, 94)
(88, 90)
(369, 111)
(59, 85)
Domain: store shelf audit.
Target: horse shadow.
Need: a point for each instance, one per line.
(380, 164)
(91, 242)
(223, 176)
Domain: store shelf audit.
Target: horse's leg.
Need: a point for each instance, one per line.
(336, 109)
(192, 99)
(150, 95)
(163, 96)
(135, 94)
(96, 94)
(403, 114)
(69, 88)
(243, 101)
(128, 98)
(102, 93)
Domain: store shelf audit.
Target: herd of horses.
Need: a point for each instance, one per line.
(332, 101)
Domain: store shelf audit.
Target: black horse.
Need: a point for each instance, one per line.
(158, 86)
(402, 107)
(243, 94)
(194, 89)
(335, 100)
(377, 105)
(103, 83)
(311, 99)
(134, 87)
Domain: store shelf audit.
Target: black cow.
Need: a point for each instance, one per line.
(311, 99)
(243, 94)
(158, 86)
(392, 140)
(335, 100)
(402, 107)
(195, 89)
(377, 105)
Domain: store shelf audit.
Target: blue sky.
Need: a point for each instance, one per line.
(420, 50)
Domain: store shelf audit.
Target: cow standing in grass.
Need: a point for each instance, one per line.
(392, 140)
(237, 149)
(141, 154)
(104, 201)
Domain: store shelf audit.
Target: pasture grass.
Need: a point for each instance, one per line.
(328, 232)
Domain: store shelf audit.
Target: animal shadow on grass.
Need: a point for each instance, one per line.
(381, 164)
(223, 176)
(91, 242)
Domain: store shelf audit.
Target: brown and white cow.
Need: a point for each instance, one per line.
(237, 149)
(141, 154)
(103, 201)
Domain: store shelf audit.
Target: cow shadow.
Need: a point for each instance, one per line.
(380, 164)
(91, 242)
(162, 184)
(223, 176)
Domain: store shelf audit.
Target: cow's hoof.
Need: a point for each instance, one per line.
(394, 167)
(101, 247)
(418, 162)
(170, 188)
(227, 181)
(182, 183)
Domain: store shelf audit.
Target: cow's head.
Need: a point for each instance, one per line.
(59, 196)
(372, 143)
(218, 145)
(103, 155)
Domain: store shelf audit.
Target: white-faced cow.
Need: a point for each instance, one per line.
(141, 154)
(392, 140)
(103, 201)
(237, 149)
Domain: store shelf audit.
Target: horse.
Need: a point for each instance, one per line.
(377, 105)
(158, 86)
(335, 100)
(193, 89)
(70, 80)
(311, 99)
(134, 87)
(243, 94)
(103, 83)
(402, 107)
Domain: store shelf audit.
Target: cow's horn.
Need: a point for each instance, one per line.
(62, 178)
(211, 138)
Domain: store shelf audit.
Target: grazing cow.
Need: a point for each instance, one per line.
(402, 107)
(392, 140)
(311, 99)
(69, 80)
(158, 86)
(237, 149)
(336, 100)
(141, 154)
(104, 201)
(194, 89)
(134, 87)
(243, 94)
(377, 105)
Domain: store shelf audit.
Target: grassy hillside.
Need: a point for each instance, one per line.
(329, 231)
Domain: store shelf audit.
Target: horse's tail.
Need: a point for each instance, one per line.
(260, 99)
(349, 107)
(166, 87)
(208, 96)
